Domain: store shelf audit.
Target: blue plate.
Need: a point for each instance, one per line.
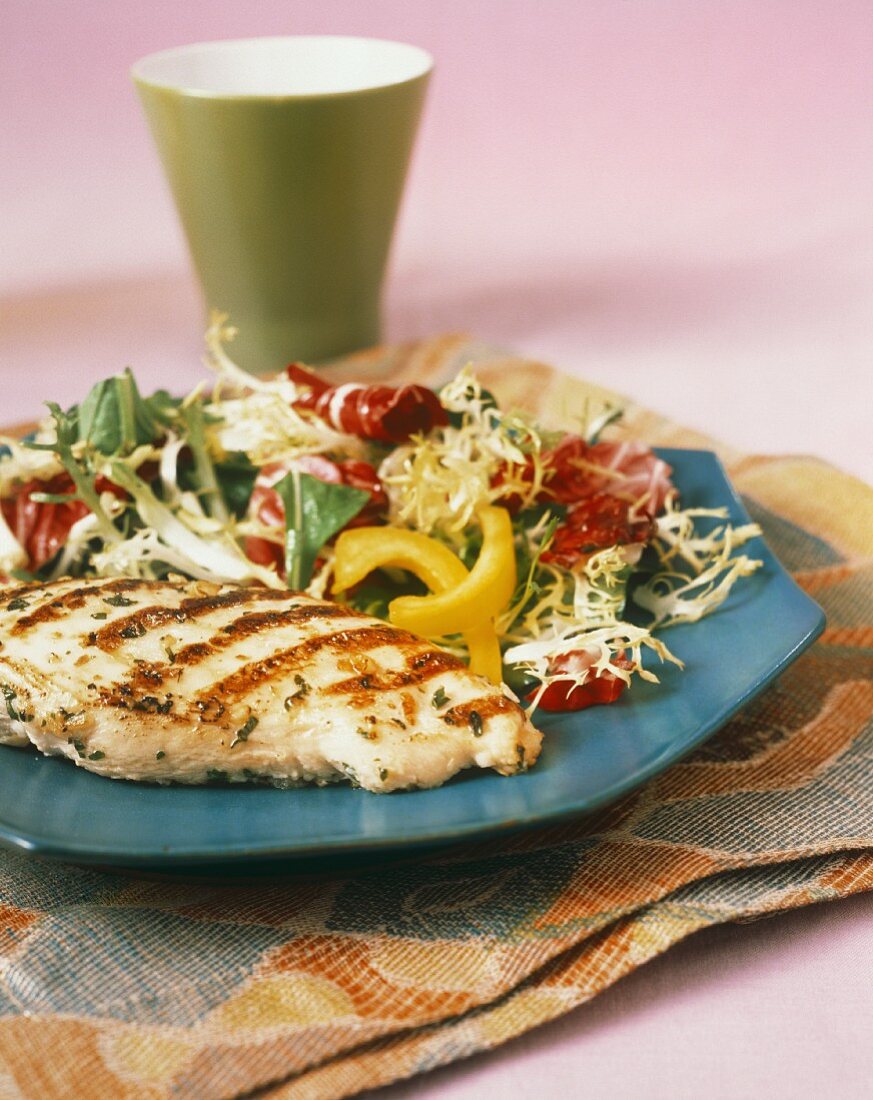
(52, 808)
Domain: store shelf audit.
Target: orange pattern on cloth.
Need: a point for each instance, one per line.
(115, 987)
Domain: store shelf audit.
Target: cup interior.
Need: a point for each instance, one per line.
(300, 66)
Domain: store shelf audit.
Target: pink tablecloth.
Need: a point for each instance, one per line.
(776, 1007)
(672, 199)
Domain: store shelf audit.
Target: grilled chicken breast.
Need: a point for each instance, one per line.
(190, 682)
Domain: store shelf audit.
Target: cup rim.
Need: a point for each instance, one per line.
(140, 78)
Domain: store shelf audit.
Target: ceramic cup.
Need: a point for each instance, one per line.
(287, 159)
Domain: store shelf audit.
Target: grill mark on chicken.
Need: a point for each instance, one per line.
(256, 621)
(422, 668)
(477, 711)
(145, 619)
(190, 655)
(148, 675)
(60, 606)
(30, 588)
(297, 658)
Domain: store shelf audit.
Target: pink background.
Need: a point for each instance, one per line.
(673, 198)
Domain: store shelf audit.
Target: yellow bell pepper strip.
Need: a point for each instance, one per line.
(362, 549)
(482, 595)
(484, 649)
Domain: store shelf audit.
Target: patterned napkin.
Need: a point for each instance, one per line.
(116, 987)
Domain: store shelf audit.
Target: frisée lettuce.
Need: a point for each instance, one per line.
(245, 482)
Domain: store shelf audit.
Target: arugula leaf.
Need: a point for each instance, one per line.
(115, 418)
(314, 511)
(163, 406)
(204, 469)
(84, 480)
(236, 479)
(24, 575)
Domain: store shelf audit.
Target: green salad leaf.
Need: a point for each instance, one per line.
(314, 512)
(115, 418)
(82, 478)
(211, 497)
(236, 478)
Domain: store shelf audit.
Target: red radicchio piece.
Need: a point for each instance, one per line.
(385, 414)
(630, 470)
(566, 695)
(42, 528)
(576, 470)
(593, 524)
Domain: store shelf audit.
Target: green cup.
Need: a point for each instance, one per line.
(287, 159)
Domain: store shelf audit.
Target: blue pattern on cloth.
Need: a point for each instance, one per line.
(136, 965)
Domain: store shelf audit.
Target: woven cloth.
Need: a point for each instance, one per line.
(117, 987)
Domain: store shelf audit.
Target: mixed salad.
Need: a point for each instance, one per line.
(550, 560)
